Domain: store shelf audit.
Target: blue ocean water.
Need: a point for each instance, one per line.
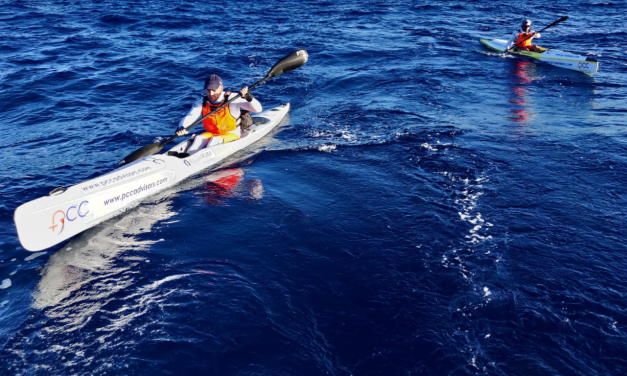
(430, 208)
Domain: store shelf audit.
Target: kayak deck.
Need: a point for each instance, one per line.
(553, 57)
(51, 219)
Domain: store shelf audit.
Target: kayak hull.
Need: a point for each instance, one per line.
(64, 213)
(553, 57)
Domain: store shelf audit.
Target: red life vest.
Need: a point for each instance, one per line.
(222, 121)
(523, 37)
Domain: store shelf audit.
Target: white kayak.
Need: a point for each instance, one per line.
(554, 57)
(49, 220)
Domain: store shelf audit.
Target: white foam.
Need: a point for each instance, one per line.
(257, 191)
(5, 284)
(348, 136)
(158, 283)
(476, 219)
(428, 147)
(327, 148)
(34, 256)
(475, 229)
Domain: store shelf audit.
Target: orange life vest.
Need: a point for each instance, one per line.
(222, 121)
(523, 37)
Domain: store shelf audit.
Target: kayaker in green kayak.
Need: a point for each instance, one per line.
(522, 39)
(226, 124)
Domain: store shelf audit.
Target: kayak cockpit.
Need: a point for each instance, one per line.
(180, 150)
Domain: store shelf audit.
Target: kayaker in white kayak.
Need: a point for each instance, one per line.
(226, 124)
(522, 39)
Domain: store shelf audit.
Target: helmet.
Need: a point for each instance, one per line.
(525, 23)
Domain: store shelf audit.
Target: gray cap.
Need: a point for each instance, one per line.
(213, 82)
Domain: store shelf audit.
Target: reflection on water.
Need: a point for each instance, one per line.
(224, 184)
(221, 185)
(89, 291)
(524, 72)
(81, 277)
(563, 94)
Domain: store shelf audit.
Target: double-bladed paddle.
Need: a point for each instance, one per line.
(551, 25)
(290, 62)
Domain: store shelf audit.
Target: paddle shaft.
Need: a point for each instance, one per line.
(537, 32)
(214, 111)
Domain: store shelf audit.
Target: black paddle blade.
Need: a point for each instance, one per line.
(142, 152)
(556, 22)
(292, 61)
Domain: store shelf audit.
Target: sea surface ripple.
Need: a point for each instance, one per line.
(430, 207)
